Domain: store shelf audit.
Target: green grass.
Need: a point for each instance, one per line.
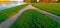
(53, 8)
(35, 19)
(6, 13)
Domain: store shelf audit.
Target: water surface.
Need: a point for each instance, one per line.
(9, 6)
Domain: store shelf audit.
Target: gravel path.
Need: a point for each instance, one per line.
(12, 19)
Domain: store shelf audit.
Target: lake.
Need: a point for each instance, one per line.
(9, 6)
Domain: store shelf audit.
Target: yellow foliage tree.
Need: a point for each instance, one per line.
(3, 0)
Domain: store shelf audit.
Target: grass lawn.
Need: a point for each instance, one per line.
(53, 8)
(35, 19)
(4, 14)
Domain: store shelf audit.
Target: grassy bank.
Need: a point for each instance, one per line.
(35, 19)
(49, 7)
(4, 14)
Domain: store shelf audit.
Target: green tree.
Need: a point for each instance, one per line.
(30, 1)
(33, 1)
(58, 0)
(27, 1)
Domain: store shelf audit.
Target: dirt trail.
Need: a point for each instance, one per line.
(7, 23)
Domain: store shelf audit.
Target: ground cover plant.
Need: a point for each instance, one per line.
(53, 8)
(6, 13)
(35, 19)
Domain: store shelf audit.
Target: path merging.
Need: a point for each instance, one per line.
(12, 19)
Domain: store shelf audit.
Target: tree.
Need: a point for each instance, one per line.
(27, 1)
(30, 1)
(58, 0)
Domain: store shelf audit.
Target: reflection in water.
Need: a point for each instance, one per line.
(9, 4)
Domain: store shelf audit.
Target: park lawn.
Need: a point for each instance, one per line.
(53, 8)
(35, 19)
(6, 13)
